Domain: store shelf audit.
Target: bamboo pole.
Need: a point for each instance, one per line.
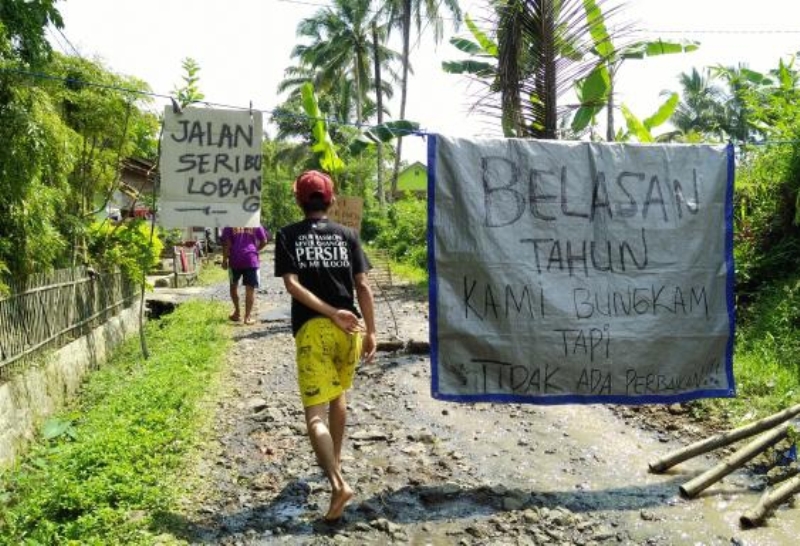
(734, 461)
(755, 516)
(723, 439)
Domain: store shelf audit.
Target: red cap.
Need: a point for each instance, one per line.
(311, 182)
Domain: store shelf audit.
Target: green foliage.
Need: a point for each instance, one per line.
(127, 245)
(642, 130)
(189, 92)
(4, 288)
(211, 274)
(767, 235)
(383, 133)
(339, 55)
(767, 358)
(63, 140)
(118, 450)
(401, 231)
(35, 161)
(596, 90)
(22, 29)
(483, 48)
(280, 168)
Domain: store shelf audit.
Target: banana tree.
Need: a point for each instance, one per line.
(596, 91)
(483, 66)
(482, 48)
(382, 133)
(642, 130)
(534, 56)
(322, 144)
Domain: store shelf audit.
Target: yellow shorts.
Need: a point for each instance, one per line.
(327, 358)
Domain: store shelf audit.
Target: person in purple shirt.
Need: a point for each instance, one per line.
(240, 256)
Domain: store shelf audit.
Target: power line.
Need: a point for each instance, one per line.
(74, 50)
(274, 113)
(304, 3)
(57, 40)
(721, 31)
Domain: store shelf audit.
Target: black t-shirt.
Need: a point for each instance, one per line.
(326, 257)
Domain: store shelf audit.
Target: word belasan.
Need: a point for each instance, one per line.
(509, 189)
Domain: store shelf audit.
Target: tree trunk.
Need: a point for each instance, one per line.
(509, 53)
(611, 133)
(379, 103)
(359, 108)
(403, 90)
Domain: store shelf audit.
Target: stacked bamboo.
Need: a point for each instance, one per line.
(776, 428)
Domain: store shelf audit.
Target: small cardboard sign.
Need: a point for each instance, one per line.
(347, 211)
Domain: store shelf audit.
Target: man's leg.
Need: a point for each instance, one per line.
(249, 298)
(235, 299)
(323, 444)
(337, 418)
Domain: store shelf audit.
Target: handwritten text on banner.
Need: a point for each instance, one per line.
(573, 272)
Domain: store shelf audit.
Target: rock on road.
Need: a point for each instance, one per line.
(431, 472)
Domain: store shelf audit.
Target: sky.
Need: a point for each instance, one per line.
(243, 47)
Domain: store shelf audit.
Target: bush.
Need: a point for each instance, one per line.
(401, 231)
(127, 245)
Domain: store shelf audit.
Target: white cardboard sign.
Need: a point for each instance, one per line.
(210, 168)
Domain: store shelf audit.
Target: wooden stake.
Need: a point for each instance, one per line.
(734, 461)
(756, 515)
(726, 438)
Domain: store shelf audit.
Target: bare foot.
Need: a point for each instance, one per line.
(339, 500)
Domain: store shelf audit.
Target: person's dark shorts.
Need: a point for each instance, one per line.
(250, 276)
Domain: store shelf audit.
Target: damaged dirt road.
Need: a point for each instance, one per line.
(431, 472)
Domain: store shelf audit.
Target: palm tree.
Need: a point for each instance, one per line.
(340, 50)
(424, 14)
(743, 86)
(701, 107)
(337, 98)
(543, 50)
(537, 51)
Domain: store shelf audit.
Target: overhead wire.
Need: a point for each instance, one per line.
(290, 115)
(721, 31)
(72, 47)
(274, 112)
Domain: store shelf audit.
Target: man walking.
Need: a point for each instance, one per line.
(322, 264)
(240, 256)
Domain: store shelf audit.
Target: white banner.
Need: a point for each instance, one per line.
(574, 272)
(210, 168)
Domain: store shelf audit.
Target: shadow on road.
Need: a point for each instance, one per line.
(293, 512)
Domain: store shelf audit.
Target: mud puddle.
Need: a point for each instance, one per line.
(431, 472)
(588, 460)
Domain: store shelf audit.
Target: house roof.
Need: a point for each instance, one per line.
(413, 165)
(139, 165)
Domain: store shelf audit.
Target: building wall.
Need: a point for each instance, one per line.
(414, 178)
